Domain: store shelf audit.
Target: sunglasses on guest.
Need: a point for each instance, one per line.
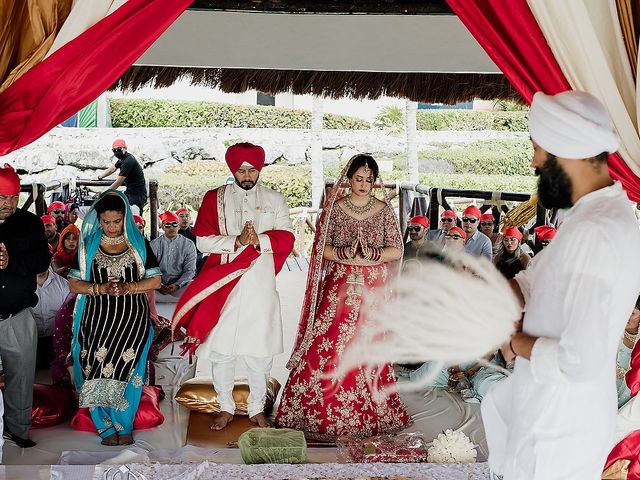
(453, 237)
(171, 225)
(469, 219)
(57, 211)
(446, 219)
(116, 150)
(416, 228)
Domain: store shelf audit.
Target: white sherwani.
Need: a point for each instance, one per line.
(250, 323)
(554, 417)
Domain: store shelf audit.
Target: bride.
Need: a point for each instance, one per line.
(355, 251)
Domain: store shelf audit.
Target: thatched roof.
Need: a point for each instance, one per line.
(448, 88)
(329, 6)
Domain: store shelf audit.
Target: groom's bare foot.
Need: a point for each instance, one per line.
(262, 420)
(221, 421)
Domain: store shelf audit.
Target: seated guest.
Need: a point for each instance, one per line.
(511, 258)
(487, 226)
(51, 231)
(544, 234)
(140, 223)
(67, 249)
(488, 376)
(70, 214)
(477, 244)
(176, 256)
(57, 210)
(447, 220)
(417, 228)
(51, 290)
(624, 354)
(187, 230)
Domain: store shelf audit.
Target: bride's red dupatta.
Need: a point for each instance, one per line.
(198, 309)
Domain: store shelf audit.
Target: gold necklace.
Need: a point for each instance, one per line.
(105, 240)
(359, 210)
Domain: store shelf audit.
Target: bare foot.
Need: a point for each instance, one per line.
(221, 421)
(110, 441)
(262, 420)
(126, 439)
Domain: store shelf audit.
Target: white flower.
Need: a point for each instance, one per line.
(452, 447)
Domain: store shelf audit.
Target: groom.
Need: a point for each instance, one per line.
(232, 308)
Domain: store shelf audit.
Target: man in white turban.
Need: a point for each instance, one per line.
(554, 417)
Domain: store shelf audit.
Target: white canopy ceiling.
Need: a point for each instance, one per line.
(325, 42)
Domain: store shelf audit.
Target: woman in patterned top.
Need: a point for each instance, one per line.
(112, 331)
(356, 251)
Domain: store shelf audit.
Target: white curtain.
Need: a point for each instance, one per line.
(586, 39)
(84, 14)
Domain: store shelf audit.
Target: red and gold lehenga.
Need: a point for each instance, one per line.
(331, 316)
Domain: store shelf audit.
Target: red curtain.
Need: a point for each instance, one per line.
(509, 33)
(81, 70)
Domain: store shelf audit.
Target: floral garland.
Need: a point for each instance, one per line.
(452, 447)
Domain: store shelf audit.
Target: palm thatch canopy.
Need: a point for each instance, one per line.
(448, 88)
(423, 7)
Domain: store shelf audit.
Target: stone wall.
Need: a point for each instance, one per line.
(75, 152)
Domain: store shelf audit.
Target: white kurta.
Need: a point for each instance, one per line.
(250, 322)
(554, 417)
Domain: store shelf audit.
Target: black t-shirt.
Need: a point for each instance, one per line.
(134, 177)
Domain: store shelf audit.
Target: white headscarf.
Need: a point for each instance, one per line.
(571, 125)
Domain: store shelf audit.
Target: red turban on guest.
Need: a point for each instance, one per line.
(459, 231)
(486, 217)
(513, 232)
(9, 181)
(545, 232)
(167, 217)
(448, 214)
(119, 143)
(54, 206)
(48, 219)
(242, 153)
(472, 211)
(420, 220)
(181, 210)
(138, 219)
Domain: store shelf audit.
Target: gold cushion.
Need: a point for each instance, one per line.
(199, 395)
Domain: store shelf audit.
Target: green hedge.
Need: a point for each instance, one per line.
(486, 157)
(166, 113)
(471, 120)
(501, 183)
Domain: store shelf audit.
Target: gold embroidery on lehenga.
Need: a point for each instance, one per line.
(128, 355)
(101, 354)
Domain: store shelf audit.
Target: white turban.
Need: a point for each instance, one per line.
(571, 125)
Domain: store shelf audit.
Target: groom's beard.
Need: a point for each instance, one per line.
(554, 185)
(245, 184)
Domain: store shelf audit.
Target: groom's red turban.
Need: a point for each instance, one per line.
(242, 153)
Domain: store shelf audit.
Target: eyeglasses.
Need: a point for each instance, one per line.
(510, 239)
(171, 225)
(453, 237)
(446, 219)
(469, 220)
(116, 150)
(414, 229)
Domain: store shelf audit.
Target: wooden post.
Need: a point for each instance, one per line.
(153, 207)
